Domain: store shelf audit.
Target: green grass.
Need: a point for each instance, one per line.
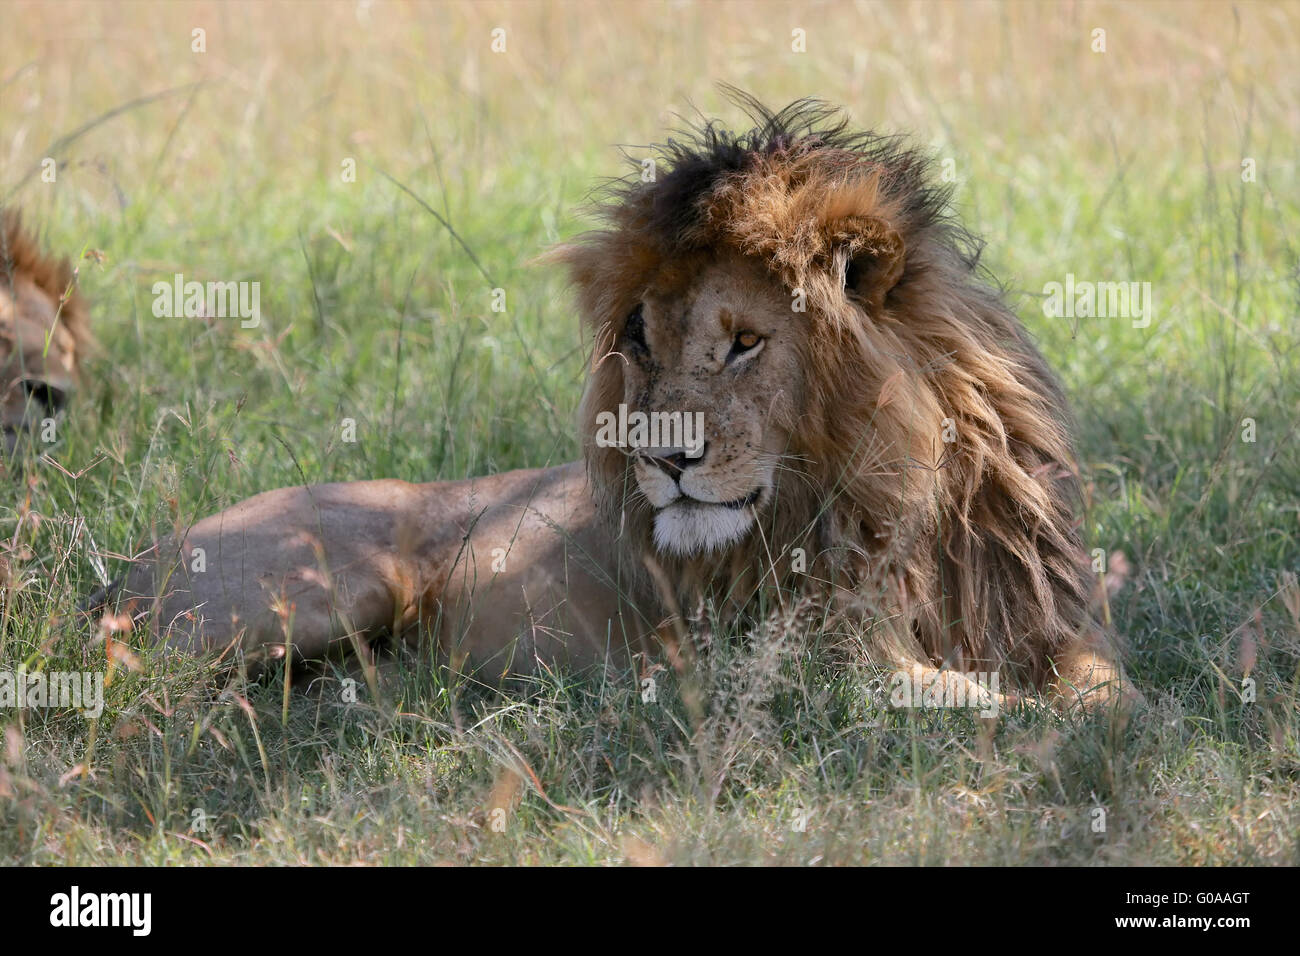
(1115, 166)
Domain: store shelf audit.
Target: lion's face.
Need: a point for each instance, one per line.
(721, 340)
(37, 359)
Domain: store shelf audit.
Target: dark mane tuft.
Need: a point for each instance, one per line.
(693, 162)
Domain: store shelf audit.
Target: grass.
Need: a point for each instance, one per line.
(1122, 165)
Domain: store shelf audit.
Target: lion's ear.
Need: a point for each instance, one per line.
(871, 254)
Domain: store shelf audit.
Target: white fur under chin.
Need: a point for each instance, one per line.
(688, 529)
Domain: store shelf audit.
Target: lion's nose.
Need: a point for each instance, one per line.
(44, 394)
(673, 465)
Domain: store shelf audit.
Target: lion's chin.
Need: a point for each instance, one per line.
(690, 527)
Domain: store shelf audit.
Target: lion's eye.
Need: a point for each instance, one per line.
(634, 328)
(744, 342)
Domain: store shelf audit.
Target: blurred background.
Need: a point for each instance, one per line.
(1120, 165)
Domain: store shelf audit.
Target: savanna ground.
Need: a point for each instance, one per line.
(1119, 165)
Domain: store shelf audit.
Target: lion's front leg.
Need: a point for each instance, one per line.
(1088, 675)
(918, 685)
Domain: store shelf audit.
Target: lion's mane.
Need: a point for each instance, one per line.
(21, 255)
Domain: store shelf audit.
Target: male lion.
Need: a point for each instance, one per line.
(43, 332)
(880, 436)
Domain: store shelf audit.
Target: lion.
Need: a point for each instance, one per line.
(880, 437)
(44, 332)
